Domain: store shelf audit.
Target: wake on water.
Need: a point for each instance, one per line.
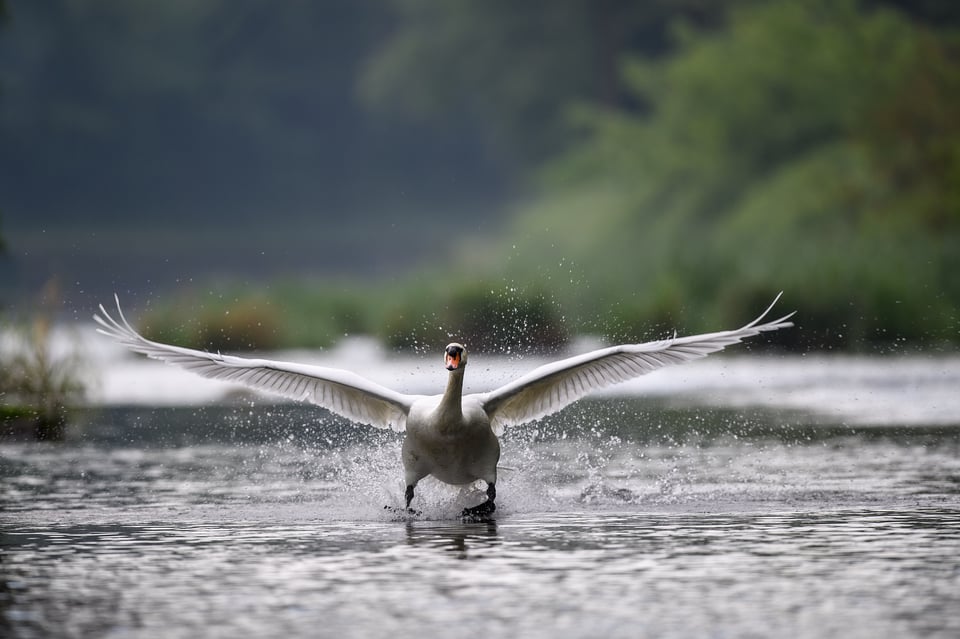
(294, 462)
(554, 466)
(544, 470)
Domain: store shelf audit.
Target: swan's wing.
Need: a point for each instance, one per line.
(553, 386)
(340, 391)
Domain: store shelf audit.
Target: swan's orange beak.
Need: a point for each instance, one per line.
(452, 361)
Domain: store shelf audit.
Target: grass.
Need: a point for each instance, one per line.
(37, 386)
(496, 315)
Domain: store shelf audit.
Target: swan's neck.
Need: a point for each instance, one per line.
(451, 404)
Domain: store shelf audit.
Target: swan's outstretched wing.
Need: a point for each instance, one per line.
(553, 386)
(340, 391)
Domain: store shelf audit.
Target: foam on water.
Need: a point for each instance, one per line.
(603, 456)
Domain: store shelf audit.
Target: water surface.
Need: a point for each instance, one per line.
(620, 517)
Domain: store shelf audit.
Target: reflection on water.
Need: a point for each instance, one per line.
(857, 573)
(618, 519)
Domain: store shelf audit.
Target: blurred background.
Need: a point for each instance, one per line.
(247, 174)
(356, 183)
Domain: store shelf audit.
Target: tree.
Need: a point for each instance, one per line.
(812, 146)
(513, 69)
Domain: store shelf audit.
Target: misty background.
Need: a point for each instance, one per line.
(247, 174)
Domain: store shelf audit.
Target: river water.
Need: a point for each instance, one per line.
(820, 500)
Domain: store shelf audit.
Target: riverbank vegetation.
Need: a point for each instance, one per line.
(38, 384)
(811, 147)
(646, 167)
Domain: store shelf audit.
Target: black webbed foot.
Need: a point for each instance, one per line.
(482, 512)
(408, 511)
(479, 513)
(403, 511)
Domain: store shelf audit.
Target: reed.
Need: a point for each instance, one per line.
(38, 385)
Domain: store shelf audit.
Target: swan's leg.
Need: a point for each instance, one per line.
(409, 495)
(486, 508)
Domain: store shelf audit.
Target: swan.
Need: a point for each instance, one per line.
(452, 437)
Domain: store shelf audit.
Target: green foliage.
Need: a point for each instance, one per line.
(805, 145)
(419, 314)
(484, 315)
(245, 324)
(221, 317)
(36, 381)
(514, 68)
(287, 314)
(811, 146)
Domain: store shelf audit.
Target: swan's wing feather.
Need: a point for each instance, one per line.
(551, 387)
(339, 391)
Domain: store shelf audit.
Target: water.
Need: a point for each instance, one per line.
(646, 516)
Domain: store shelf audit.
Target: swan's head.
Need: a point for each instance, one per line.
(454, 356)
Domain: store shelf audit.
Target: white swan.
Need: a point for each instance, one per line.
(451, 436)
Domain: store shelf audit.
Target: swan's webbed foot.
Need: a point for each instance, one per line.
(408, 495)
(403, 511)
(478, 513)
(482, 512)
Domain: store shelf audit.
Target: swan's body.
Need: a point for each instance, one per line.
(452, 437)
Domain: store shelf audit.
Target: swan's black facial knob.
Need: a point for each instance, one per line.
(454, 357)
